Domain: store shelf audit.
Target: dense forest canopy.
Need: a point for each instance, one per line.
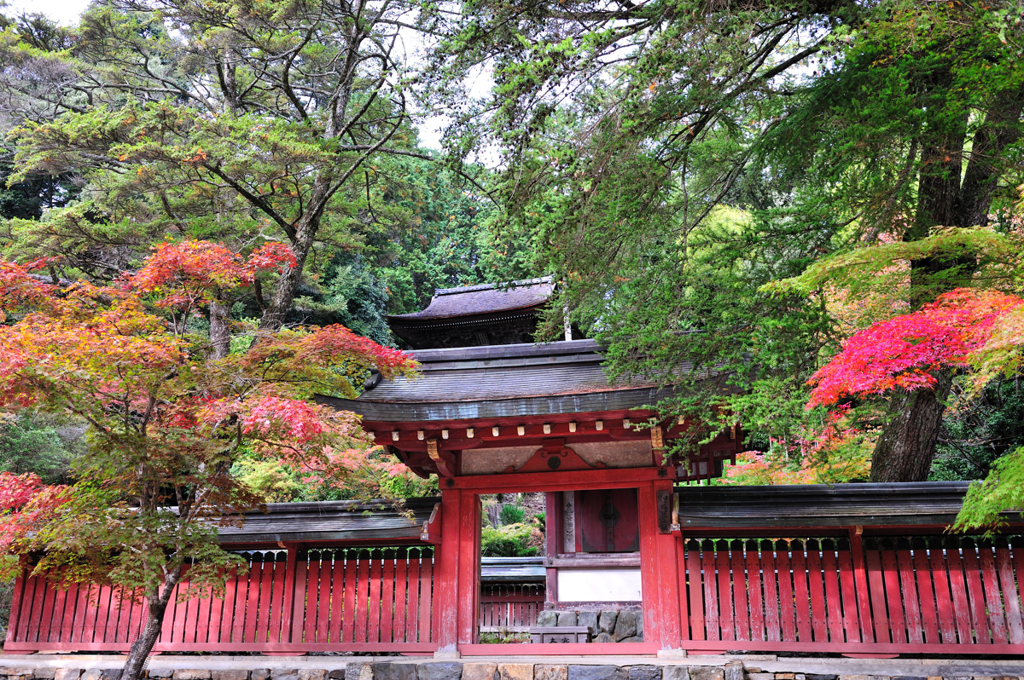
(820, 198)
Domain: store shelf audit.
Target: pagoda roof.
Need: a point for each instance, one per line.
(485, 298)
(503, 381)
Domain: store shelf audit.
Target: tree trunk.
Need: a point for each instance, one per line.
(138, 655)
(906, 448)
(220, 330)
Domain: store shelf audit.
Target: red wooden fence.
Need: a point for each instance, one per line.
(936, 594)
(320, 600)
(512, 607)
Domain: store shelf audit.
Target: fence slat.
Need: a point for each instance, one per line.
(833, 600)
(801, 595)
(711, 603)
(755, 597)
(816, 590)
(1011, 605)
(387, 610)
(848, 587)
(908, 590)
(769, 575)
(993, 601)
(741, 604)
(787, 612)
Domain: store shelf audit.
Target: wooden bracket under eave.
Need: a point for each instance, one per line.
(444, 460)
(432, 527)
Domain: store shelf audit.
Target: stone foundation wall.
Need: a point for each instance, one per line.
(469, 670)
(610, 625)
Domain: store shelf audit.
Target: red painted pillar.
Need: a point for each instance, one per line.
(659, 572)
(446, 575)
(553, 534)
(469, 568)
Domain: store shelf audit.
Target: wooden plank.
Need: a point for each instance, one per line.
(266, 601)
(374, 604)
(276, 607)
(337, 596)
(848, 587)
(362, 596)
(695, 579)
(401, 594)
(993, 599)
(954, 580)
(925, 591)
(787, 613)
(941, 570)
(711, 601)
(140, 611)
(773, 626)
(975, 593)
(876, 589)
(351, 587)
(204, 606)
(124, 616)
(726, 612)
(801, 594)
(833, 598)
(908, 589)
(1017, 556)
(325, 578)
(253, 600)
(427, 599)
(83, 609)
(893, 595)
(741, 603)
(753, 569)
(241, 598)
(863, 586)
(16, 625)
(387, 610)
(413, 609)
(35, 612)
(816, 590)
(1011, 605)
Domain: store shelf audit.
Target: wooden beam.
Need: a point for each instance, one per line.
(606, 478)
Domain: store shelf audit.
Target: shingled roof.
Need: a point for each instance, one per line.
(502, 381)
(485, 314)
(484, 298)
(818, 505)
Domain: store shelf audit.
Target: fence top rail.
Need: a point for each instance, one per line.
(331, 521)
(839, 505)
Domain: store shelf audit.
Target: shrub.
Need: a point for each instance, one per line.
(511, 514)
(512, 540)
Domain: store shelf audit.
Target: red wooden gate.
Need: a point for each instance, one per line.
(320, 600)
(932, 594)
(512, 607)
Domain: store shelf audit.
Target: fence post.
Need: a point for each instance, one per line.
(446, 576)
(658, 571)
(15, 615)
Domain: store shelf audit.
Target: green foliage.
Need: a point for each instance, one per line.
(511, 514)
(40, 444)
(511, 540)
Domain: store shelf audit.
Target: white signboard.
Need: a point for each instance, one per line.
(599, 585)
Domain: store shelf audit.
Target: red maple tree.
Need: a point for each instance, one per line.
(167, 418)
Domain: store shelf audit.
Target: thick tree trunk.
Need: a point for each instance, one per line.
(220, 330)
(906, 448)
(135, 665)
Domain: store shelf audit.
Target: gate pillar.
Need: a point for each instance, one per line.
(457, 573)
(659, 569)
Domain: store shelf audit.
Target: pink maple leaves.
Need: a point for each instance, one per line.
(903, 352)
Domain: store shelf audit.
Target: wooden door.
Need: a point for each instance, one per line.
(607, 521)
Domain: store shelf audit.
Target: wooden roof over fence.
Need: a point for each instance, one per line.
(845, 505)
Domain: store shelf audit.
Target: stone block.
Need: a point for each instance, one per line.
(50, 673)
(515, 671)
(640, 624)
(162, 673)
(632, 638)
(549, 671)
(547, 618)
(111, 673)
(588, 619)
(815, 676)
(67, 674)
(394, 671)
(356, 671)
(440, 670)
(479, 671)
(93, 674)
(785, 676)
(675, 672)
(707, 673)
(761, 676)
(644, 672)
(625, 625)
(17, 672)
(597, 673)
(260, 674)
(566, 619)
(308, 674)
(604, 637)
(336, 674)
(192, 674)
(606, 621)
(734, 670)
(230, 675)
(286, 674)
